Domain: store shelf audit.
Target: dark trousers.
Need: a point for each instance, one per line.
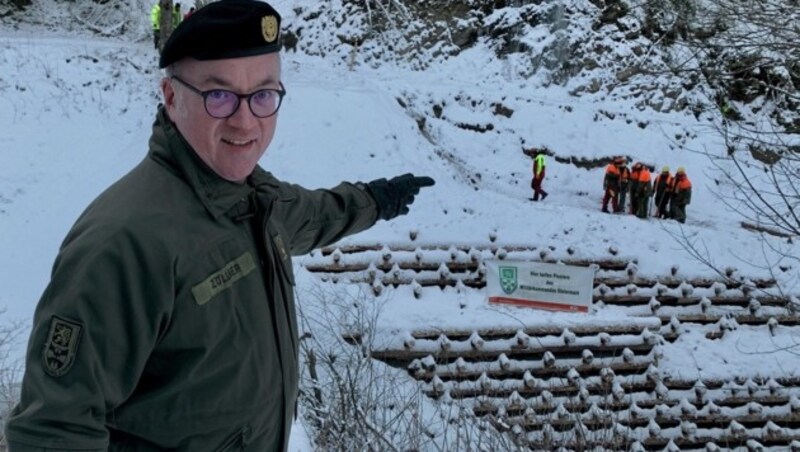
(678, 211)
(611, 195)
(156, 38)
(634, 203)
(623, 191)
(536, 185)
(662, 205)
(643, 208)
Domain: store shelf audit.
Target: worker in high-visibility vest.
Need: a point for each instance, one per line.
(538, 176)
(155, 21)
(177, 16)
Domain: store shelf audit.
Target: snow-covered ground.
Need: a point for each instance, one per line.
(78, 110)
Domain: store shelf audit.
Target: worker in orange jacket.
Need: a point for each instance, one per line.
(661, 186)
(624, 182)
(644, 191)
(611, 186)
(680, 195)
(634, 187)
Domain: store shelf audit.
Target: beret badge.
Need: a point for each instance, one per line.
(269, 28)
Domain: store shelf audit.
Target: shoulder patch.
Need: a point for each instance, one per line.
(61, 346)
(224, 278)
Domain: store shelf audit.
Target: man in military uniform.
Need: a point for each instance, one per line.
(169, 322)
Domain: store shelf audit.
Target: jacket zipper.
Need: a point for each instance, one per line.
(269, 253)
(273, 255)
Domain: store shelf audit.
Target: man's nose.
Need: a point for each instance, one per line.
(243, 116)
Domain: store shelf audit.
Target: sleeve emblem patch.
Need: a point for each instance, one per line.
(61, 346)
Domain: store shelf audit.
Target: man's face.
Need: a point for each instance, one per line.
(231, 146)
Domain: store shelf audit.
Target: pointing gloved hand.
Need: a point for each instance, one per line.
(395, 195)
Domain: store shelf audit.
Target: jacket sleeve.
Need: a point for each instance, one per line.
(316, 218)
(109, 293)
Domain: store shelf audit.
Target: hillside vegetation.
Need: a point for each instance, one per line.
(658, 50)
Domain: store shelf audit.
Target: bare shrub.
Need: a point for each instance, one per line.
(10, 370)
(351, 402)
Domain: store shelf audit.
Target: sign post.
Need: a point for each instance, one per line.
(540, 285)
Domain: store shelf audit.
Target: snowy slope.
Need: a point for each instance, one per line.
(78, 115)
(80, 110)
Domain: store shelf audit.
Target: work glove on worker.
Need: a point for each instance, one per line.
(393, 196)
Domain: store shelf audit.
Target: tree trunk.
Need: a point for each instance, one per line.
(166, 22)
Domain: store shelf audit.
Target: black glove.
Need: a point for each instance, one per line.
(395, 195)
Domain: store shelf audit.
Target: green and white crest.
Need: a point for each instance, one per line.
(508, 279)
(61, 346)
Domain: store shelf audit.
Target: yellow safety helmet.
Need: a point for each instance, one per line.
(665, 169)
(680, 171)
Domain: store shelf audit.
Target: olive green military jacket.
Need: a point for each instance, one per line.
(169, 321)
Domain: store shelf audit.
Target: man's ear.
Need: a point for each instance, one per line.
(168, 93)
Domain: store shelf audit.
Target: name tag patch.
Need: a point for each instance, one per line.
(61, 346)
(224, 278)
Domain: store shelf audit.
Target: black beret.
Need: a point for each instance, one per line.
(225, 29)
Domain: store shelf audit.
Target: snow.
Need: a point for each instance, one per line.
(78, 112)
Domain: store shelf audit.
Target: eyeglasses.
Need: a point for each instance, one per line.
(222, 103)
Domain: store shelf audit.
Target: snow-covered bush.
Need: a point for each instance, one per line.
(350, 401)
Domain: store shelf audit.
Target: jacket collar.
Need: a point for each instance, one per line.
(218, 196)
